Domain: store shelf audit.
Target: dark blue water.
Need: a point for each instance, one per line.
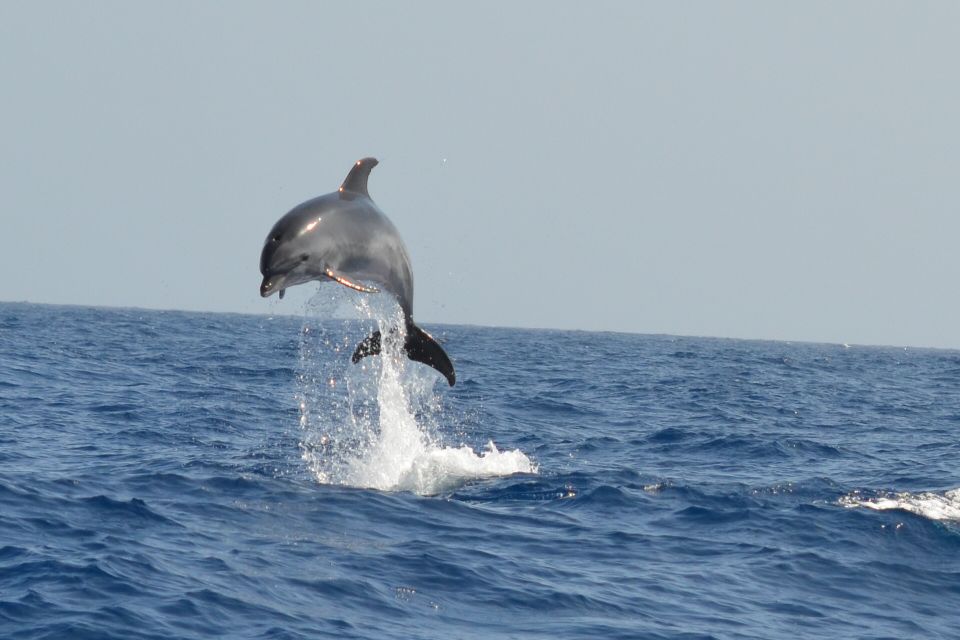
(181, 475)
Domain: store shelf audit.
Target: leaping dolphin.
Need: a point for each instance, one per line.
(343, 236)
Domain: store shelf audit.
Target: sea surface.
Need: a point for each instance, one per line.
(190, 475)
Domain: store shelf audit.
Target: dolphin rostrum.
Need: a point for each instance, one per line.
(344, 237)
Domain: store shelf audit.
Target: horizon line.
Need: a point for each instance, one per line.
(484, 326)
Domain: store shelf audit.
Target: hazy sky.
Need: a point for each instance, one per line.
(744, 169)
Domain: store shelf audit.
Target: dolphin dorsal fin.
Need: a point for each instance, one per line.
(356, 180)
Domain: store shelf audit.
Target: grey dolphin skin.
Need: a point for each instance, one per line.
(344, 237)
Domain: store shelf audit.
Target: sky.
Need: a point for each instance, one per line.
(738, 169)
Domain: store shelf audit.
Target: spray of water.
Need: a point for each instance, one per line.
(935, 506)
(376, 424)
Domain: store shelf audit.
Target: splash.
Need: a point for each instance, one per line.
(376, 424)
(930, 505)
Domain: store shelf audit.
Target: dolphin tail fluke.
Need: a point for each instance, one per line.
(369, 347)
(420, 346)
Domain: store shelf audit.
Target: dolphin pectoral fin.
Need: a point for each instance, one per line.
(347, 282)
(369, 347)
(421, 346)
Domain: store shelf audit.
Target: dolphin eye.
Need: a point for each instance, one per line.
(304, 257)
(275, 239)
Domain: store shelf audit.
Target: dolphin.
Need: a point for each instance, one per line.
(344, 237)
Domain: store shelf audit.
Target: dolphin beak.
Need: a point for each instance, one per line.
(269, 285)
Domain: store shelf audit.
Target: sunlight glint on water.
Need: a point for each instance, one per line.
(375, 424)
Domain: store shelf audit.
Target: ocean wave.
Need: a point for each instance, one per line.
(208, 482)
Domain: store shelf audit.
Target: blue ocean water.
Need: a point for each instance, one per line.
(187, 475)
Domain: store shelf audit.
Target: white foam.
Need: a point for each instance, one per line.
(930, 505)
(374, 424)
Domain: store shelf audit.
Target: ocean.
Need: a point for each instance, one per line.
(168, 474)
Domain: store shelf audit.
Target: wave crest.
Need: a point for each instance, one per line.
(935, 506)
